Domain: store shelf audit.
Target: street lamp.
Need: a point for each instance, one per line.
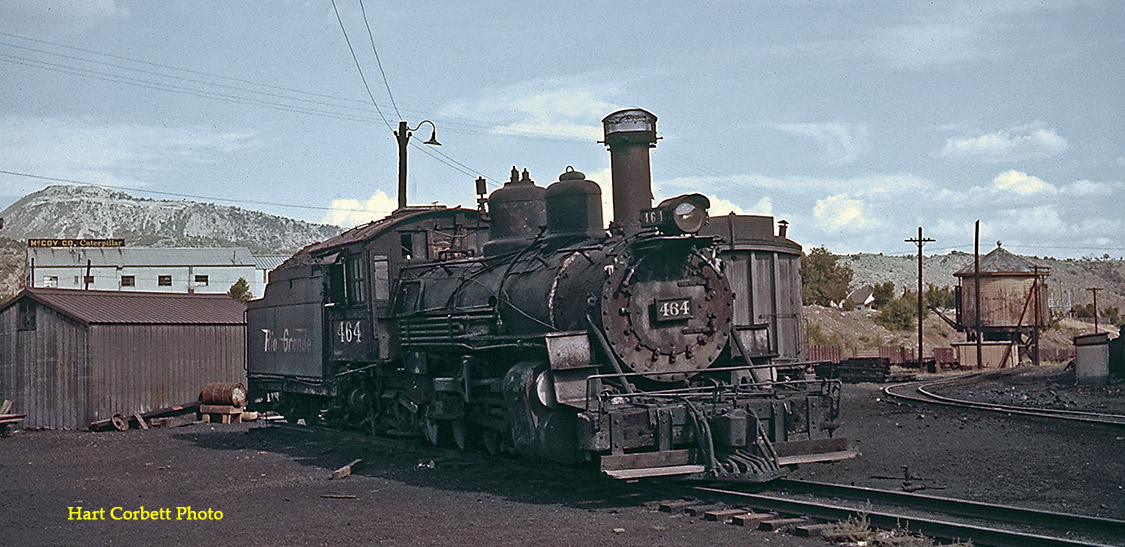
(403, 135)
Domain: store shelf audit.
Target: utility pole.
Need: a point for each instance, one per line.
(1095, 291)
(920, 241)
(976, 290)
(403, 137)
(1038, 315)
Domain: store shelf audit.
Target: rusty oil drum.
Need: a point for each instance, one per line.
(223, 393)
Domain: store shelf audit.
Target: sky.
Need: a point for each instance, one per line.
(856, 121)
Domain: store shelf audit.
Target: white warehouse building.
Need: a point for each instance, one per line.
(145, 269)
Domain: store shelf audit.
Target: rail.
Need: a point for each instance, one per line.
(945, 518)
(921, 393)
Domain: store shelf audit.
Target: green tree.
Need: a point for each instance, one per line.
(884, 292)
(1083, 311)
(824, 280)
(900, 313)
(240, 291)
(940, 297)
(1111, 315)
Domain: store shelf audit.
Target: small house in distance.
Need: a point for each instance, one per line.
(71, 357)
(1013, 307)
(863, 298)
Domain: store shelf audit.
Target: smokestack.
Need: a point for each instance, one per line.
(629, 134)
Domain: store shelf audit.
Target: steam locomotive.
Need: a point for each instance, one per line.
(657, 348)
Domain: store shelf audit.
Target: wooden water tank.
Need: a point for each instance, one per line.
(1009, 288)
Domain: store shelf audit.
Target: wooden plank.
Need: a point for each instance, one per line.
(625, 474)
(219, 409)
(140, 421)
(174, 421)
(777, 524)
(699, 510)
(6, 406)
(345, 470)
(814, 458)
(647, 459)
(813, 530)
(677, 506)
(751, 519)
(722, 515)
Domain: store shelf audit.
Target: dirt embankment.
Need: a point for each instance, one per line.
(858, 329)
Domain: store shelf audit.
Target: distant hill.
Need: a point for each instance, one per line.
(89, 211)
(1069, 278)
(92, 212)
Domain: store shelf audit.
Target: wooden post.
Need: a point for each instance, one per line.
(976, 291)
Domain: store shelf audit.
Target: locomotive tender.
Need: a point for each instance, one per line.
(652, 349)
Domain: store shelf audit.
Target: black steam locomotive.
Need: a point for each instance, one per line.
(657, 348)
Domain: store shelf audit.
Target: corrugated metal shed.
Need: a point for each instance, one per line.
(68, 357)
(140, 256)
(129, 308)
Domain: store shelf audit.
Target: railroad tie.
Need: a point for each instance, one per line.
(813, 530)
(779, 523)
(699, 510)
(677, 506)
(751, 519)
(723, 515)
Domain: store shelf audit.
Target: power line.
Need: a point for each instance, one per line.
(357, 67)
(377, 60)
(148, 84)
(170, 67)
(445, 120)
(181, 78)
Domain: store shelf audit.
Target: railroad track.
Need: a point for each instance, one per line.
(922, 391)
(937, 517)
(781, 501)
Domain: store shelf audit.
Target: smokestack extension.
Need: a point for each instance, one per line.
(629, 134)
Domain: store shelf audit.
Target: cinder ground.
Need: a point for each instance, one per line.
(270, 483)
(270, 486)
(1024, 461)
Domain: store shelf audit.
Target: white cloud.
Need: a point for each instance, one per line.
(105, 153)
(1006, 146)
(352, 212)
(869, 186)
(841, 143)
(1020, 183)
(842, 213)
(1086, 188)
(547, 107)
(32, 16)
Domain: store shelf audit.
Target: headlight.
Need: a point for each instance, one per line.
(689, 217)
(679, 215)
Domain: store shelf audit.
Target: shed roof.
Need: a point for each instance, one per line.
(269, 262)
(1001, 261)
(861, 295)
(138, 308)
